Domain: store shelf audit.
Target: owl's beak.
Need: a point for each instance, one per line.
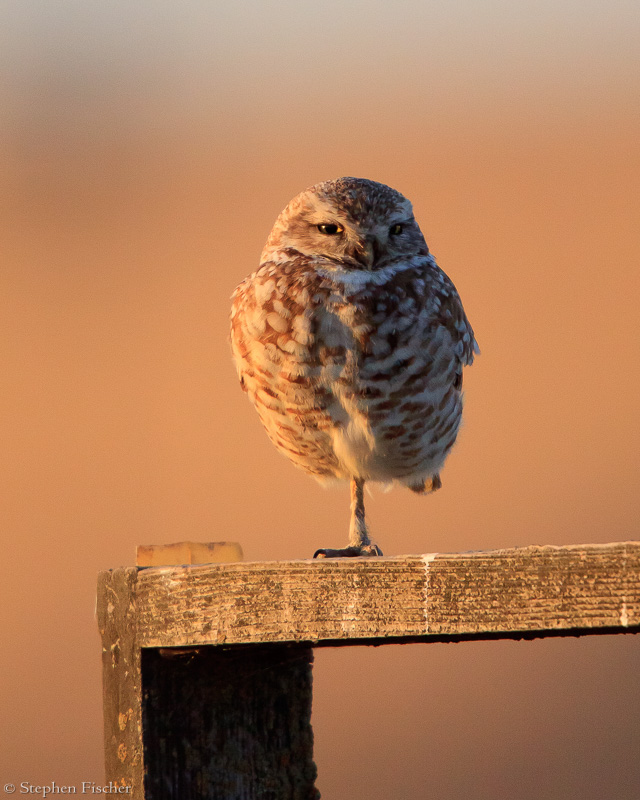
(369, 252)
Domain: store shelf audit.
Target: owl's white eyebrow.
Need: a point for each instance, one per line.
(325, 221)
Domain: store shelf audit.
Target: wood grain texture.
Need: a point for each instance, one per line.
(121, 679)
(530, 591)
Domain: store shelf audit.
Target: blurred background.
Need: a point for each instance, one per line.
(145, 151)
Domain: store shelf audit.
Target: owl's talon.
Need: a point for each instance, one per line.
(365, 551)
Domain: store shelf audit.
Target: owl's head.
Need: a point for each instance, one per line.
(353, 223)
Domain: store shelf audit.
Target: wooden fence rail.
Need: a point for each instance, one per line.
(207, 668)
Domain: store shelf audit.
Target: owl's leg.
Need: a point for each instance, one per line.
(359, 542)
(358, 533)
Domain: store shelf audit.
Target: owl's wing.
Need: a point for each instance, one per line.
(273, 346)
(452, 316)
(271, 333)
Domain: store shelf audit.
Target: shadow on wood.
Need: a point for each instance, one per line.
(219, 722)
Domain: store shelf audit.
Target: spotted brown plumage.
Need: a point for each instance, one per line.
(350, 342)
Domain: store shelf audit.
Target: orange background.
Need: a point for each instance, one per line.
(146, 150)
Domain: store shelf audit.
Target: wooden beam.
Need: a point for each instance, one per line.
(523, 592)
(207, 668)
(121, 679)
(207, 722)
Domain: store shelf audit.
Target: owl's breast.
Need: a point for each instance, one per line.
(349, 379)
(390, 369)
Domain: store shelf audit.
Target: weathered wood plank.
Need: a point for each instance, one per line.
(194, 720)
(504, 593)
(121, 679)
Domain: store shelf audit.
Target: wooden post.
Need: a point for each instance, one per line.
(207, 668)
(228, 723)
(121, 682)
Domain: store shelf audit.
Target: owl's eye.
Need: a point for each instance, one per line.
(395, 230)
(329, 228)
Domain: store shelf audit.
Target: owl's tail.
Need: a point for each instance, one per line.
(427, 486)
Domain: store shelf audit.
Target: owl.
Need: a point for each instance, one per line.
(350, 342)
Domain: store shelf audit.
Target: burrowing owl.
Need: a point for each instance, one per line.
(350, 342)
